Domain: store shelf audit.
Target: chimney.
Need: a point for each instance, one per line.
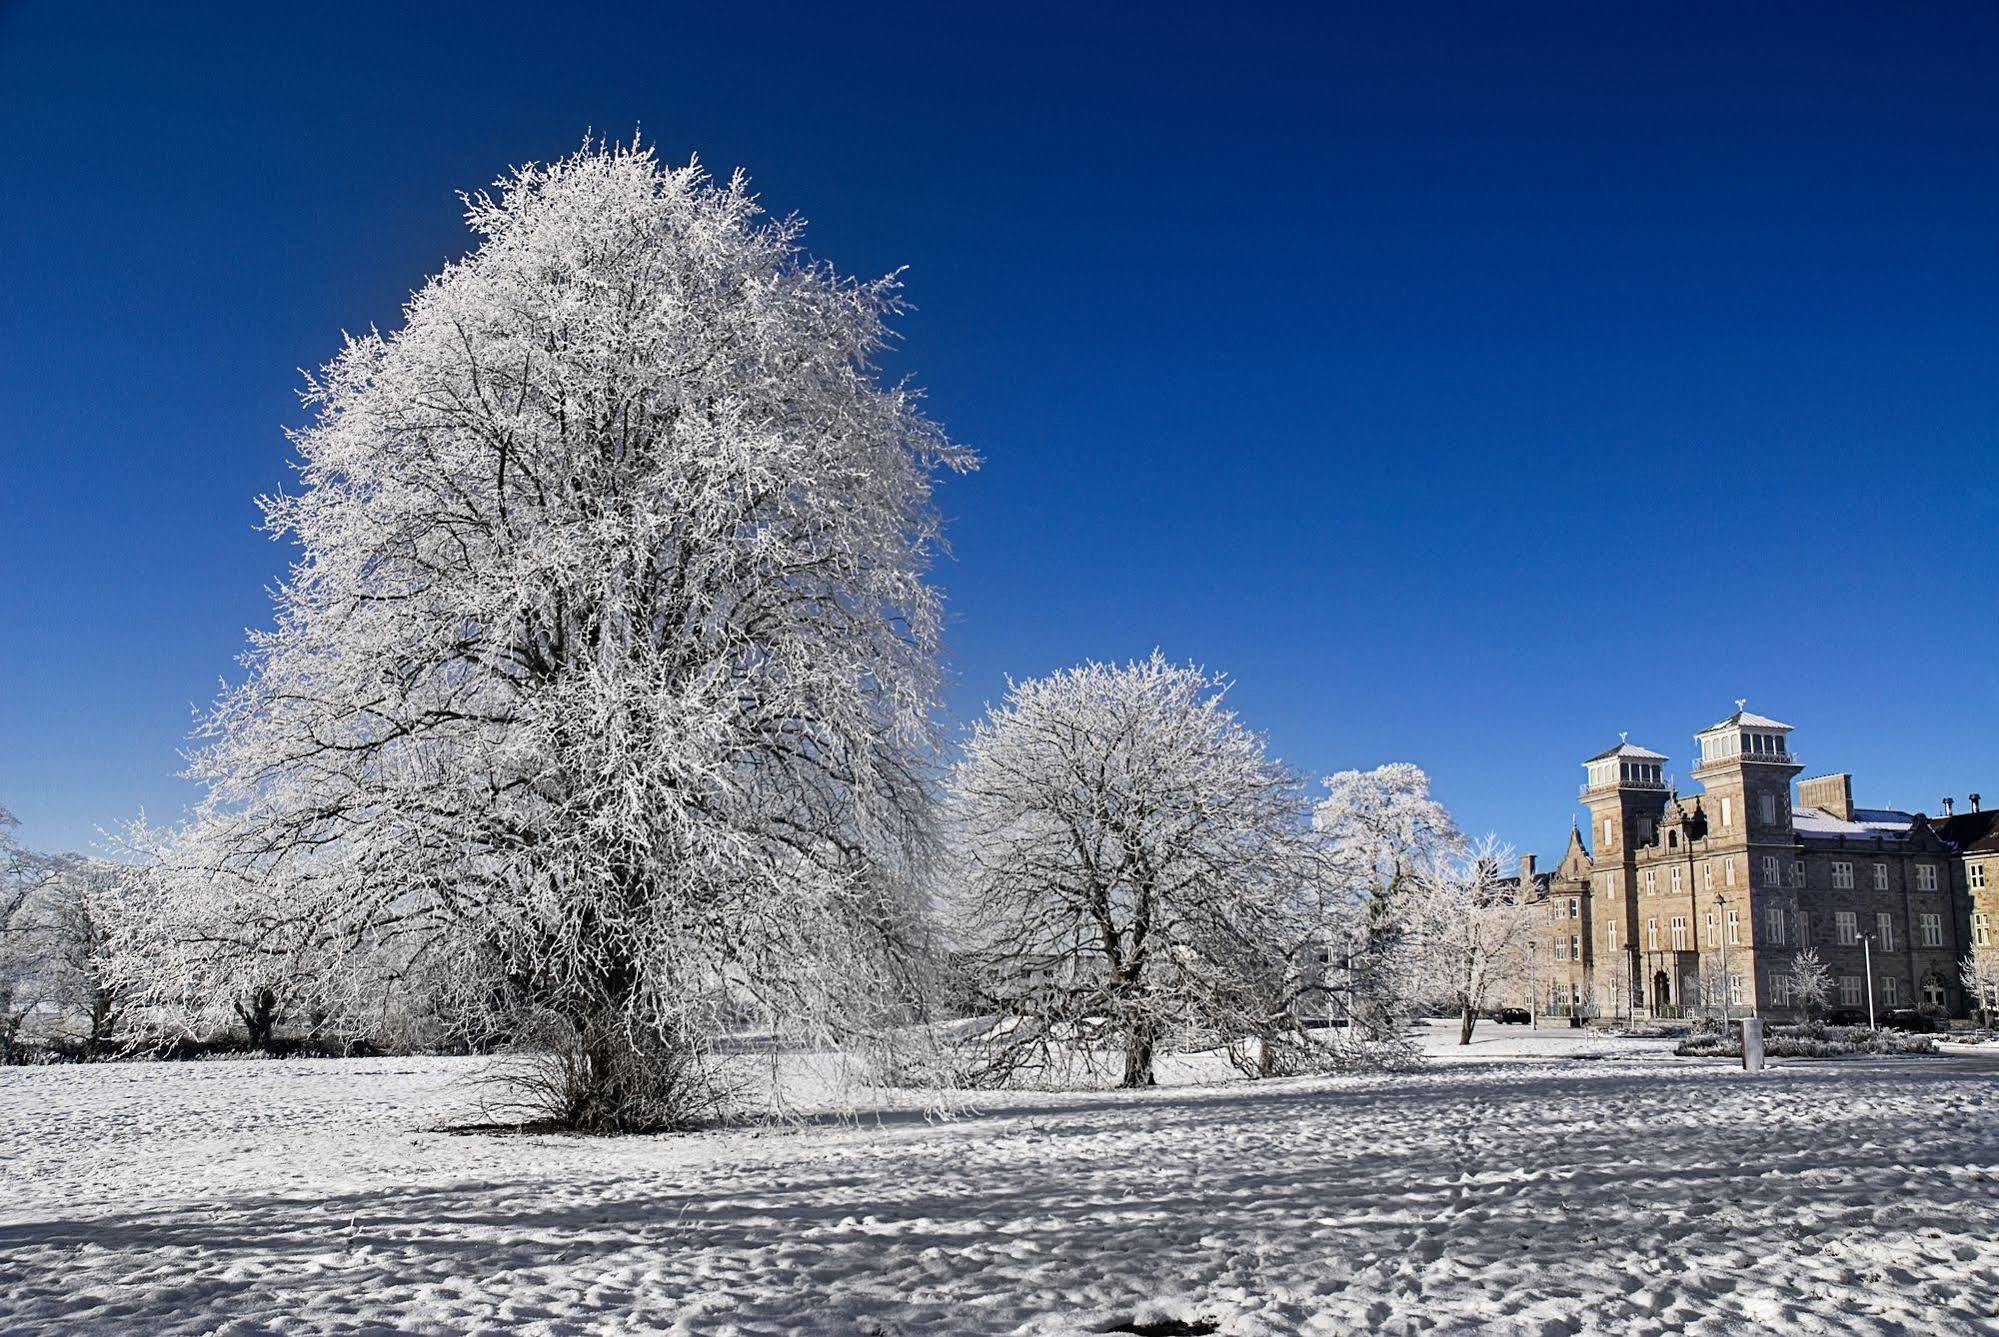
(1831, 793)
(1974, 802)
(1947, 805)
(1526, 876)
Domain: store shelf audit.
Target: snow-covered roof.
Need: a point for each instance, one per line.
(1629, 750)
(1884, 822)
(1749, 718)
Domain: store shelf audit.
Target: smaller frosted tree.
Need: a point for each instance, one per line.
(1383, 833)
(1980, 977)
(1811, 981)
(77, 917)
(23, 874)
(1130, 868)
(1467, 930)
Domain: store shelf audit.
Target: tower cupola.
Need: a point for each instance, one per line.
(1626, 766)
(1744, 737)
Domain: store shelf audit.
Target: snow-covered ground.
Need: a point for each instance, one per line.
(1539, 1183)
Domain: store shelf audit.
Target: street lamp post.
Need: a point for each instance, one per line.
(1867, 958)
(1533, 985)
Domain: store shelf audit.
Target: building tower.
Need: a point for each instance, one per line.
(1625, 791)
(1745, 769)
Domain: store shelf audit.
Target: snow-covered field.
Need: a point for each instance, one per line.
(1540, 1183)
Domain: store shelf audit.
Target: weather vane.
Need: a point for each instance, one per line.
(1742, 703)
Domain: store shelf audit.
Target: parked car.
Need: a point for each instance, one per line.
(1909, 1019)
(1846, 1016)
(1512, 1016)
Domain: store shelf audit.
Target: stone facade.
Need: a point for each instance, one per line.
(1671, 902)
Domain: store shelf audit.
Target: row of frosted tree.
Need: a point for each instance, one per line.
(600, 714)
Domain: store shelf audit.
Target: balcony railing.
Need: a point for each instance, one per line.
(1585, 789)
(1773, 758)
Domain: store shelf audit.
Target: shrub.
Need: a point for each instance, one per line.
(1809, 1040)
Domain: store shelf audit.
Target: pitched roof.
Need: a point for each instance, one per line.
(1975, 832)
(1749, 718)
(1885, 822)
(1628, 750)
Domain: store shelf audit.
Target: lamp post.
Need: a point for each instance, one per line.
(1867, 958)
(1533, 985)
(1721, 936)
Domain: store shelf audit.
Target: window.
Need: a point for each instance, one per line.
(1849, 990)
(1680, 943)
(1735, 991)
(1766, 807)
(1710, 928)
(1728, 870)
(1606, 831)
(1880, 877)
(1804, 929)
(1933, 993)
(1773, 926)
(1842, 876)
(1769, 870)
(1884, 933)
(1575, 949)
(1575, 907)
(1652, 933)
(1926, 877)
(1844, 930)
(1780, 990)
(1929, 929)
(1610, 937)
(1676, 879)
(1974, 875)
(1797, 872)
(1727, 812)
(1651, 882)
(1891, 991)
(1707, 875)
(1734, 929)
(1981, 930)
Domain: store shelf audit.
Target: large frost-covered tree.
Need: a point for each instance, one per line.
(1130, 868)
(608, 653)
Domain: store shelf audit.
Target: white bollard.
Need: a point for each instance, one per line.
(1752, 1044)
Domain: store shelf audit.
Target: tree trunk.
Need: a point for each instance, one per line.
(1468, 1020)
(259, 1014)
(1138, 1058)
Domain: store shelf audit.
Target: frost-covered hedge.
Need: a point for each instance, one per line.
(1811, 1040)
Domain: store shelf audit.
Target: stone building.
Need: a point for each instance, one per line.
(1670, 903)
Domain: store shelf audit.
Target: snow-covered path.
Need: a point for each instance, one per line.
(1535, 1194)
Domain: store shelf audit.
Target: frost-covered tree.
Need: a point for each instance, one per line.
(1468, 929)
(1811, 981)
(1711, 985)
(1980, 977)
(76, 919)
(23, 976)
(609, 647)
(1384, 833)
(1127, 868)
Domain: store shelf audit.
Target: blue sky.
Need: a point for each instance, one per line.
(1471, 382)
